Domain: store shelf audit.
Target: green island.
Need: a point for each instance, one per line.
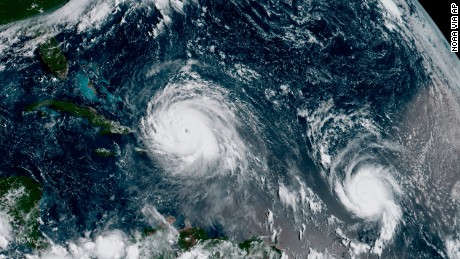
(14, 10)
(148, 231)
(19, 199)
(250, 243)
(51, 54)
(191, 236)
(94, 118)
(188, 237)
(104, 152)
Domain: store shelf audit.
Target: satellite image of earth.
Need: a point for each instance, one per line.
(227, 129)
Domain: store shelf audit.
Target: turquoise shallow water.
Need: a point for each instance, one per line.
(305, 123)
(86, 89)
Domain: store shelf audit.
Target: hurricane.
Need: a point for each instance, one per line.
(370, 192)
(227, 129)
(191, 128)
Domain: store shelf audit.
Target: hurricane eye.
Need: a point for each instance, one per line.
(191, 126)
(369, 192)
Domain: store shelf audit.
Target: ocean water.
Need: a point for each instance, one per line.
(327, 128)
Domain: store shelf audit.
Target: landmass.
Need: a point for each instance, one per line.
(152, 230)
(104, 152)
(190, 237)
(19, 200)
(247, 245)
(255, 247)
(14, 10)
(94, 118)
(54, 59)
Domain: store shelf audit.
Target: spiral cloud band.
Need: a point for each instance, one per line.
(369, 191)
(191, 129)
